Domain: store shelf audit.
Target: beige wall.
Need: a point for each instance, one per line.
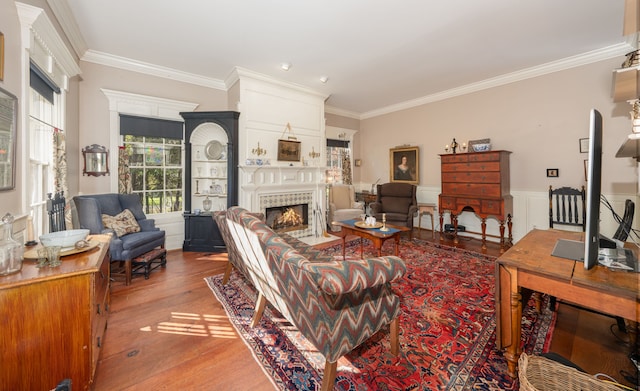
(94, 107)
(12, 200)
(539, 120)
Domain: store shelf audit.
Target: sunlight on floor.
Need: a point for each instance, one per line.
(216, 326)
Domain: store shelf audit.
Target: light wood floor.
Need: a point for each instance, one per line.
(169, 332)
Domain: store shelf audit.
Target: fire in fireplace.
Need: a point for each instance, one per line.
(288, 218)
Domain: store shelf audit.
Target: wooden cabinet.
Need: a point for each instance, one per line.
(54, 320)
(477, 182)
(211, 175)
(202, 233)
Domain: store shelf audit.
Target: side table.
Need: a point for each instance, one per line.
(427, 208)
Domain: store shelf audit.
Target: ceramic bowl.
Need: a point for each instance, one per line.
(481, 147)
(64, 239)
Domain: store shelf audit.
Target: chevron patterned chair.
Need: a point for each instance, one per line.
(336, 305)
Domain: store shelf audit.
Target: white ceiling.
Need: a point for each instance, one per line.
(377, 54)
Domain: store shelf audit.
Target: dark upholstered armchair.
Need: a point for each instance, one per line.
(90, 208)
(398, 202)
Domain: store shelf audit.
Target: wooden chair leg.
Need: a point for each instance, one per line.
(227, 273)
(394, 327)
(329, 378)
(260, 304)
(127, 272)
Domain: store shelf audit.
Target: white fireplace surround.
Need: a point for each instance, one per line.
(263, 187)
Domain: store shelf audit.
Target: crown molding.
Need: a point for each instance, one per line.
(239, 73)
(67, 21)
(151, 69)
(35, 20)
(528, 73)
(341, 112)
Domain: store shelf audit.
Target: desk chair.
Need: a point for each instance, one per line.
(55, 210)
(567, 207)
(622, 233)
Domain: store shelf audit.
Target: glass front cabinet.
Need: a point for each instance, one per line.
(211, 175)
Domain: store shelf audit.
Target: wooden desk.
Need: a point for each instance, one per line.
(366, 197)
(427, 209)
(529, 264)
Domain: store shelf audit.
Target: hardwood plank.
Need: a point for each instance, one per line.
(204, 352)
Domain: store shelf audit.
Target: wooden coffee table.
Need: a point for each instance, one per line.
(375, 235)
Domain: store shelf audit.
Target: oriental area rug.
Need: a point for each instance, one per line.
(447, 329)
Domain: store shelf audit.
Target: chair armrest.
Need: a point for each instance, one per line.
(332, 207)
(375, 207)
(413, 209)
(339, 277)
(147, 225)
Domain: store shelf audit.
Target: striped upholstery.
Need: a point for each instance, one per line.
(336, 305)
(235, 259)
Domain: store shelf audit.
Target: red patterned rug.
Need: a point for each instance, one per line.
(447, 329)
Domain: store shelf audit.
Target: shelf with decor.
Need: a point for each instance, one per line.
(211, 161)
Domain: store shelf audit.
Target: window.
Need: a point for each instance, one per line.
(155, 165)
(338, 152)
(44, 119)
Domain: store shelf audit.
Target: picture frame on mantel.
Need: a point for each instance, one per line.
(289, 150)
(404, 165)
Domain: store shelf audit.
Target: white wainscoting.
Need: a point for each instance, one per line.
(530, 211)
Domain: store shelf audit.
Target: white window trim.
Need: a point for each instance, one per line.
(147, 106)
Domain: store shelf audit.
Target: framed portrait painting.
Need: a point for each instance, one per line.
(404, 165)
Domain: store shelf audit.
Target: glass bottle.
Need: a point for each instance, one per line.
(11, 252)
(206, 204)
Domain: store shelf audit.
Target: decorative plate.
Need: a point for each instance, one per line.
(362, 224)
(213, 150)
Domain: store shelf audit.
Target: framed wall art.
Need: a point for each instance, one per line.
(288, 150)
(584, 145)
(8, 124)
(552, 172)
(404, 165)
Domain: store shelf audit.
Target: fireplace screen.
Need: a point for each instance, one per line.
(288, 218)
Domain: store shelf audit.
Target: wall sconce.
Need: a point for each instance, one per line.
(313, 154)
(96, 160)
(259, 151)
(358, 162)
(454, 146)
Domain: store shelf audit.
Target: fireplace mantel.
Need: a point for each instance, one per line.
(257, 182)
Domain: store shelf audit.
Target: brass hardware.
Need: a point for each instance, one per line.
(259, 151)
(313, 154)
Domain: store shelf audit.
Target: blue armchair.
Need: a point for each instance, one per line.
(89, 210)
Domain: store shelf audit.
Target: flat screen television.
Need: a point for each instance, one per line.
(594, 181)
(587, 251)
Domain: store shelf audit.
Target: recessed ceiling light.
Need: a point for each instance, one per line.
(324, 79)
(285, 66)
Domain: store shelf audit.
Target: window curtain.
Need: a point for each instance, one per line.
(346, 168)
(60, 171)
(124, 175)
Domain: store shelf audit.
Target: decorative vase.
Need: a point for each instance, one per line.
(11, 251)
(206, 204)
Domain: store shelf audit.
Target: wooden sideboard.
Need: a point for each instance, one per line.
(53, 321)
(477, 182)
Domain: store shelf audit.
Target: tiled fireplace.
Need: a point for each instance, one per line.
(291, 198)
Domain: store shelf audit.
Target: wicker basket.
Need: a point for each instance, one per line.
(541, 374)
